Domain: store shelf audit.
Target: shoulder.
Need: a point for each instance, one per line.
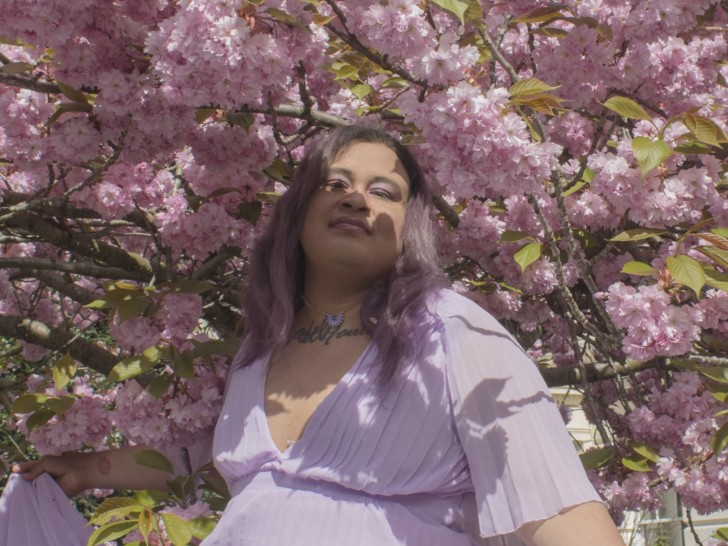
(450, 306)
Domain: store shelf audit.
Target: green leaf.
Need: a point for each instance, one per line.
(691, 148)
(145, 523)
(160, 385)
(530, 86)
(28, 403)
(187, 287)
(636, 463)
(720, 439)
(201, 527)
(474, 14)
(723, 232)
(346, 72)
(154, 459)
(361, 90)
(716, 239)
(650, 153)
(527, 254)
(687, 271)
(178, 530)
(39, 418)
(721, 533)
(638, 234)
(135, 365)
(704, 129)
(277, 170)
(116, 511)
(98, 304)
(646, 451)
(61, 405)
(717, 373)
(456, 7)
(132, 308)
(214, 347)
(63, 371)
(74, 94)
(111, 531)
(596, 458)
(717, 255)
(203, 114)
(321, 20)
(626, 108)
(241, 119)
(394, 82)
(511, 236)
(250, 211)
(183, 364)
(284, 17)
(575, 188)
(66, 107)
(716, 279)
(541, 15)
(552, 32)
(150, 498)
(215, 482)
(638, 268)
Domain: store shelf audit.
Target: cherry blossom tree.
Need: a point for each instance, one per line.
(578, 154)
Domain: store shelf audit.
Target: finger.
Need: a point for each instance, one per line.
(37, 469)
(20, 468)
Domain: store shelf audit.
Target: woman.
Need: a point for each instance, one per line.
(368, 406)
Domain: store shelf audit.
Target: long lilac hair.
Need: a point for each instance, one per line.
(274, 289)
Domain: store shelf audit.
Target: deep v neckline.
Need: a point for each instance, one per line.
(314, 417)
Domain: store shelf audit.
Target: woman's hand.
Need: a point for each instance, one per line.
(111, 469)
(67, 469)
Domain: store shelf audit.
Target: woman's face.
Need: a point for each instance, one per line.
(355, 220)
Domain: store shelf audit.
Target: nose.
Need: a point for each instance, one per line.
(356, 200)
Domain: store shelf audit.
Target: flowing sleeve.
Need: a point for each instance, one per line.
(522, 462)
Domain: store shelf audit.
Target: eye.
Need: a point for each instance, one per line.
(382, 193)
(334, 184)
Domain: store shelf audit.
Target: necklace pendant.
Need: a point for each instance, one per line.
(334, 321)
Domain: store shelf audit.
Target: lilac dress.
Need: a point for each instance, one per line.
(467, 443)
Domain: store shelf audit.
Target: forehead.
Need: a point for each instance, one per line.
(371, 160)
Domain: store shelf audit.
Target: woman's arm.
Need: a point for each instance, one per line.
(585, 524)
(112, 469)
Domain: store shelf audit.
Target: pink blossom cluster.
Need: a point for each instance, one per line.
(179, 416)
(395, 29)
(678, 422)
(205, 53)
(654, 326)
(173, 323)
(85, 424)
(473, 148)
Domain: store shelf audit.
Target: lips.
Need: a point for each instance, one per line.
(345, 222)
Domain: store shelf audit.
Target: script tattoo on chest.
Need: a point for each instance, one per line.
(324, 333)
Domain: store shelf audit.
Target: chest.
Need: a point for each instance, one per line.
(299, 379)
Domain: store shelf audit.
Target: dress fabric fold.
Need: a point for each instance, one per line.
(39, 513)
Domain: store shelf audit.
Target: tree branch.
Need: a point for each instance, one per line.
(32, 331)
(96, 250)
(593, 372)
(77, 268)
(28, 83)
(59, 284)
